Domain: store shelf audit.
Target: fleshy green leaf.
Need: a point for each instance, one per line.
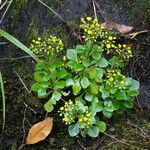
(76, 88)
(93, 131)
(69, 82)
(41, 77)
(96, 55)
(103, 63)
(53, 101)
(134, 85)
(85, 82)
(99, 73)
(73, 130)
(101, 125)
(35, 87)
(60, 84)
(72, 54)
(78, 67)
(120, 95)
(94, 88)
(86, 63)
(128, 104)
(80, 49)
(88, 96)
(96, 106)
(115, 105)
(133, 92)
(80, 107)
(56, 95)
(65, 93)
(62, 73)
(48, 106)
(107, 114)
(92, 73)
(42, 93)
(71, 64)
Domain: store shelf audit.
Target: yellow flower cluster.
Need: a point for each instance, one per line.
(48, 46)
(115, 80)
(92, 29)
(68, 112)
(112, 47)
(85, 121)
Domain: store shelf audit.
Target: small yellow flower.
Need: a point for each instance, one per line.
(37, 42)
(61, 108)
(88, 115)
(70, 102)
(119, 45)
(49, 46)
(95, 20)
(114, 74)
(89, 32)
(110, 38)
(85, 118)
(115, 38)
(60, 42)
(82, 19)
(33, 41)
(64, 58)
(65, 119)
(85, 30)
(89, 18)
(129, 52)
(80, 120)
(108, 46)
(66, 109)
(111, 78)
(92, 25)
(112, 45)
(123, 76)
(102, 27)
(124, 45)
(122, 82)
(39, 39)
(53, 40)
(88, 122)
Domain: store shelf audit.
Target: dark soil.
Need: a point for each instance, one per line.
(28, 19)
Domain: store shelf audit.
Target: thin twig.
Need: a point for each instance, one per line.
(30, 108)
(22, 57)
(22, 82)
(94, 9)
(52, 10)
(121, 141)
(6, 11)
(3, 4)
(23, 126)
(101, 12)
(99, 142)
(136, 33)
(104, 147)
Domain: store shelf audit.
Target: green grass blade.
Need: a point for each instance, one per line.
(18, 43)
(52, 10)
(3, 100)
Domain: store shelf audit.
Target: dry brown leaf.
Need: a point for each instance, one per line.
(117, 27)
(40, 131)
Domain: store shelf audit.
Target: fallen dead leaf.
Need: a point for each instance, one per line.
(40, 131)
(117, 27)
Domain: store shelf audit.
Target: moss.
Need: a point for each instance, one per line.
(17, 6)
(131, 128)
(33, 30)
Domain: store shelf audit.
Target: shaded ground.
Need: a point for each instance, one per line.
(28, 19)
